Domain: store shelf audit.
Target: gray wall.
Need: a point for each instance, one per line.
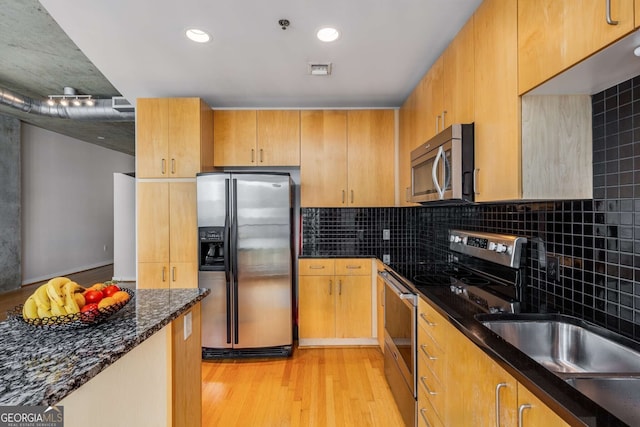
(10, 202)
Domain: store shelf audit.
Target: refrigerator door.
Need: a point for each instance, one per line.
(213, 194)
(262, 239)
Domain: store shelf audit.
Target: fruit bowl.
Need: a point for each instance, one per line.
(73, 320)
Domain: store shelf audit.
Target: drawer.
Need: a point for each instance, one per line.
(433, 389)
(353, 267)
(427, 415)
(431, 357)
(432, 322)
(316, 267)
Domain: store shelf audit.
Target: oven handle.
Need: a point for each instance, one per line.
(409, 297)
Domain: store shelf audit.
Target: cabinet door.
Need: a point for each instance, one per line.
(278, 138)
(458, 87)
(323, 158)
(552, 36)
(434, 95)
(353, 306)
(407, 142)
(153, 221)
(183, 233)
(636, 7)
(183, 275)
(536, 413)
(184, 137)
(370, 154)
(497, 105)
(234, 138)
(153, 275)
(316, 307)
(152, 143)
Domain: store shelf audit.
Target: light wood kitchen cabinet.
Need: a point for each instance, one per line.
(370, 147)
(430, 103)
(323, 158)
(554, 35)
(167, 234)
(174, 137)
(458, 78)
(536, 413)
(636, 7)
(380, 306)
(339, 149)
(497, 105)
(406, 143)
(334, 301)
(256, 137)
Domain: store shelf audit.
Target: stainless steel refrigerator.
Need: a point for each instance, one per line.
(245, 252)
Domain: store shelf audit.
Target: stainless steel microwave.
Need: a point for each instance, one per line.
(442, 169)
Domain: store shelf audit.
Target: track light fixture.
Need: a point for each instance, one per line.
(70, 97)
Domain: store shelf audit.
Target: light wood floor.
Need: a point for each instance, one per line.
(315, 387)
(10, 299)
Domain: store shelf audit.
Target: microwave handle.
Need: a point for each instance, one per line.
(434, 173)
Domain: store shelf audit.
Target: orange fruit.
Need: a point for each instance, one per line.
(98, 286)
(105, 302)
(120, 296)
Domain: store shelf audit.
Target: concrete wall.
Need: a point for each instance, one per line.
(67, 203)
(10, 244)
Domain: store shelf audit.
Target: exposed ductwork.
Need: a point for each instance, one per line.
(102, 110)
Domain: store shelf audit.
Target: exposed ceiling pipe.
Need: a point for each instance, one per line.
(101, 111)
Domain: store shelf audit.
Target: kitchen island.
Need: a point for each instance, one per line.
(110, 371)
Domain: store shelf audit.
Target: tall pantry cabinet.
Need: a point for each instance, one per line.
(174, 141)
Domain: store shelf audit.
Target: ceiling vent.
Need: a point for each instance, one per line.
(320, 69)
(119, 103)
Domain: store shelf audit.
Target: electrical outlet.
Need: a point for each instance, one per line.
(360, 235)
(386, 258)
(553, 269)
(188, 325)
(386, 234)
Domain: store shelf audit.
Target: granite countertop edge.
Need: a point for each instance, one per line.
(53, 392)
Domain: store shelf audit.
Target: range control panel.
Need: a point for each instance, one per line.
(501, 249)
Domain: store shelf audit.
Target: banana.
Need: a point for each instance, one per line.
(42, 298)
(42, 313)
(57, 309)
(30, 309)
(80, 299)
(70, 304)
(55, 292)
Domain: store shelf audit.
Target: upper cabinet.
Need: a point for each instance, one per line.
(174, 137)
(340, 149)
(636, 8)
(554, 35)
(256, 138)
(458, 80)
(497, 105)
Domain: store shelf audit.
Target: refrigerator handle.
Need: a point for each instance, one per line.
(234, 253)
(227, 259)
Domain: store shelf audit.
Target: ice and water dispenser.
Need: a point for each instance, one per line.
(211, 250)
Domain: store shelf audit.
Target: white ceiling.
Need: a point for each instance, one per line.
(385, 48)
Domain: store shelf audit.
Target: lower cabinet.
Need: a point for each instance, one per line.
(460, 385)
(380, 305)
(335, 302)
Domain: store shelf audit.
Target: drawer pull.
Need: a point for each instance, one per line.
(330, 286)
(316, 267)
(424, 417)
(354, 267)
(521, 409)
(610, 21)
(426, 387)
(426, 353)
(430, 323)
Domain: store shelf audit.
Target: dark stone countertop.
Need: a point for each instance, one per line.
(334, 256)
(40, 366)
(574, 407)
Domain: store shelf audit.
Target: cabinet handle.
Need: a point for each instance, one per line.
(164, 166)
(430, 323)
(426, 353)
(475, 180)
(521, 410)
(437, 121)
(407, 194)
(173, 274)
(330, 286)
(351, 196)
(424, 383)
(253, 155)
(343, 197)
(498, 387)
(173, 166)
(316, 267)
(339, 287)
(444, 113)
(261, 151)
(354, 267)
(424, 417)
(609, 20)
(164, 272)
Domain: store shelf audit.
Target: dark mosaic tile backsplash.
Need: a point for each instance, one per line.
(596, 242)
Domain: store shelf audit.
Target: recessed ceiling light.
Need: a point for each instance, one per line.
(636, 51)
(197, 35)
(328, 34)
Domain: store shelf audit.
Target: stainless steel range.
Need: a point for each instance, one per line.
(490, 270)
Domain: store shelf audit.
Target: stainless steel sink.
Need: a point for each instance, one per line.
(564, 347)
(617, 395)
